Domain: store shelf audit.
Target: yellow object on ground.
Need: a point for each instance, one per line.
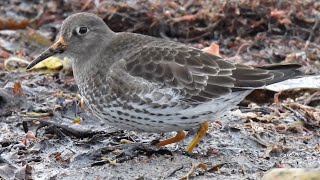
(292, 173)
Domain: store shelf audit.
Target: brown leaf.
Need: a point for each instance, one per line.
(4, 54)
(286, 22)
(216, 167)
(282, 17)
(13, 24)
(278, 14)
(194, 169)
(187, 18)
(212, 49)
(17, 89)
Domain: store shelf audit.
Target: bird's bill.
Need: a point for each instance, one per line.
(57, 48)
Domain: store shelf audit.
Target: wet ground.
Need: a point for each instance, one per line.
(46, 132)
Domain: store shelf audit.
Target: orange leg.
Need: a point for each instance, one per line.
(202, 131)
(179, 136)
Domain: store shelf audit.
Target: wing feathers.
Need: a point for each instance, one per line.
(201, 76)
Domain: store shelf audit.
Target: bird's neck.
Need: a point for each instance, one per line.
(90, 75)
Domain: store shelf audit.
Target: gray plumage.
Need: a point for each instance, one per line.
(138, 82)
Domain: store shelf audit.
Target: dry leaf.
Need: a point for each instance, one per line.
(187, 18)
(15, 63)
(278, 14)
(52, 63)
(17, 89)
(286, 22)
(213, 49)
(13, 24)
(29, 136)
(310, 115)
(282, 17)
(194, 169)
(4, 54)
(35, 114)
(216, 167)
(76, 120)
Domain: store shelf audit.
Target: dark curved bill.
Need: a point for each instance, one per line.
(56, 48)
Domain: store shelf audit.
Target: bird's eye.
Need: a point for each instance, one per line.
(82, 30)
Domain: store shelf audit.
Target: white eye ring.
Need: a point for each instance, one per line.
(82, 30)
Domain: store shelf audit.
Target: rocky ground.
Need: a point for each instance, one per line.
(46, 132)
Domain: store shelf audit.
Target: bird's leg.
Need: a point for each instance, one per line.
(178, 137)
(202, 131)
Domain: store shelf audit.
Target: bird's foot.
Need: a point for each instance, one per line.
(177, 138)
(202, 131)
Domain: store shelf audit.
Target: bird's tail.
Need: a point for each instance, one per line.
(247, 77)
(282, 72)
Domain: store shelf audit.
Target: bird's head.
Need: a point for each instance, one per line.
(80, 33)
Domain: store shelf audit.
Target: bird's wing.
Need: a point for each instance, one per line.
(198, 75)
(139, 90)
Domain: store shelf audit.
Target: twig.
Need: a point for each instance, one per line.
(315, 26)
(244, 45)
(189, 3)
(209, 31)
(257, 138)
(86, 5)
(308, 100)
(174, 171)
